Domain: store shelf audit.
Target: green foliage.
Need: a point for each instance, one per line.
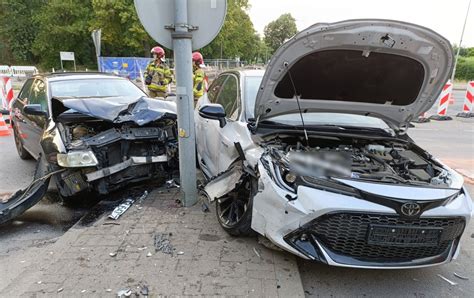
(279, 30)
(465, 68)
(17, 29)
(237, 37)
(122, 32)
(63, 26)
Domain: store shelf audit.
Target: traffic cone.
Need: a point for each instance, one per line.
(4, 131)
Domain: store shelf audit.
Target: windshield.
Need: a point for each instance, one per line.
(337, 119)
(99, 87)
(250, 93)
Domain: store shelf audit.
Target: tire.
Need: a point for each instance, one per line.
(234, 211)
(19, 145)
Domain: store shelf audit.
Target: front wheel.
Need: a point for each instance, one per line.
(19, 144)
(234, 210)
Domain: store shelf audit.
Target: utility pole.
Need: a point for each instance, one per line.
(182, 46)
(460, 42)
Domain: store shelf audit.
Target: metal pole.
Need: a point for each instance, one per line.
(460, 42)
(182, 47)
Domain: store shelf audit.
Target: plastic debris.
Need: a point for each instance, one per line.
(39, 282)
(144, 290)
(461, 276)
(447, 280)
(108, 290)
(60, 290)
(113, 254)
(171, 184)
(179, 253)
(205, 208)
(124, 292)
(256, 252)
(142, 248)
(83, 291)
(163, 244)
(149, 254)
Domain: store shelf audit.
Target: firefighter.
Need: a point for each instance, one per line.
(199, 77)
(158, 75)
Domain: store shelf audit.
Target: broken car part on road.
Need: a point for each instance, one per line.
(125, 205)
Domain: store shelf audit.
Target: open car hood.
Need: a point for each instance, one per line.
(381, 68)
(140, 110)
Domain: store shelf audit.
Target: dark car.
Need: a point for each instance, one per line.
(91, 132)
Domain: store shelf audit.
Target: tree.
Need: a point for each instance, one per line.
(122, 32)
(237, 38)
(279, 30)
(63, 26)
(18, 29)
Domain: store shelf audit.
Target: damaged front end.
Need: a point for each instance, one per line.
(103, 151)
(360, 202)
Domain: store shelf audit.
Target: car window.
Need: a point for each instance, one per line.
(99, 87)
(38, 94)
(228, 97)
(250, 94)
(25, 91)
(215, 88)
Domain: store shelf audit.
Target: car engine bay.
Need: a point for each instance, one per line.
(387, 161)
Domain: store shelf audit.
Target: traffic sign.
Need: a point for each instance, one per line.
(205, 19)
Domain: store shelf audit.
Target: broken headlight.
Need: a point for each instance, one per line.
(77, 159)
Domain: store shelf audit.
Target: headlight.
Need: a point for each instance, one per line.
(75, 159)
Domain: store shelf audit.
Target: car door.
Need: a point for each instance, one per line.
(34, 124)
(222, 150)
(17, 110)
(205, 140)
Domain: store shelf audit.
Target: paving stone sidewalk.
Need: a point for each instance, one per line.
(206, 261)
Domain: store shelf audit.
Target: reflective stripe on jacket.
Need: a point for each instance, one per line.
(161, 76)
(198, 82)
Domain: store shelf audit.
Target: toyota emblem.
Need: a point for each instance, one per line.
(410, 209)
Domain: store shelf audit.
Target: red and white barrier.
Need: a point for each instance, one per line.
(443, 104)
(6, 92)
(468, 101)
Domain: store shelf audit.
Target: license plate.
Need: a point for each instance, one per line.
(403, 236)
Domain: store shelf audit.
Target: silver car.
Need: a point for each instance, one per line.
(313, 152)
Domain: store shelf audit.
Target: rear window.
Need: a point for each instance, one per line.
(347, 75)
(95, 87)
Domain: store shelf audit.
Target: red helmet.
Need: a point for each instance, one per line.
(158, 51)
(197, 58)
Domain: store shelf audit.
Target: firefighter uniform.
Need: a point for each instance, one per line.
(198, 82)
(161, 76)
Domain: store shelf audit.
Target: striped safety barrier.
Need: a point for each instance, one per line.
(443, 104)
(468, 102)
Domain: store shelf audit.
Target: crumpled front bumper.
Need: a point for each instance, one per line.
(290, 224)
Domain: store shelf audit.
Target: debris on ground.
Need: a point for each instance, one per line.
(120, 209)
(162, 243)
(171, 184)
(124, 292)
(149, 254)
(142, 248)
(205, 208)
(60, 290)
(111, 223)
(447, 280)
(179, 253)
(108, 290)
(461, 276)
(113, 254)
(144, 290)
(256, 252)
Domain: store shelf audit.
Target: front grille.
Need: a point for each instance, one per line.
(346, 234)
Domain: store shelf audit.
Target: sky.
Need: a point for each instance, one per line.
(445, 17)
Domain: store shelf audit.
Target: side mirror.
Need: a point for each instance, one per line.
(213, 111)
(34, 109)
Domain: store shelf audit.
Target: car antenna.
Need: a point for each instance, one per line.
(298, 102)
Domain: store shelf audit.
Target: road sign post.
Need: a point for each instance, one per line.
(183, 25)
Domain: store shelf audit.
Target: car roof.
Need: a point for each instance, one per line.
(64, 76)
